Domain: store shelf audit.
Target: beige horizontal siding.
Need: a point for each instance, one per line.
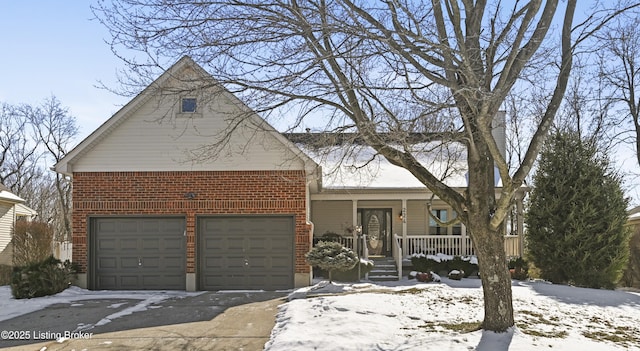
(158, 138)
(6, 224)
(331, 216)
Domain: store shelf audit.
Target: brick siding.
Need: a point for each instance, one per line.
(163, 193)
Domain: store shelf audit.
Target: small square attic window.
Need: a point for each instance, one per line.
(188, 105)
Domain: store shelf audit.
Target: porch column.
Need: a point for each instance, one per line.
(520, 221)
(354, 213)
(405, 245)
(405, 213)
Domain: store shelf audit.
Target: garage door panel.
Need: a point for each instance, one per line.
(107, 226)
(236, 244)
(174, 262)
(129, 282)
(150, 263)
(233, 262)
(280, 262)
(252, 252)
(152, 244)
(108, 280)
(128, 243)
(107, 263)
(139, 253)
(107, 244)
(129, 226)
(128, 263)
(173, 244)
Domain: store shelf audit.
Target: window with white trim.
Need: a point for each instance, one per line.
(444, 215)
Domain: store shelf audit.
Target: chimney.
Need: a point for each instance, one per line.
(498, 130)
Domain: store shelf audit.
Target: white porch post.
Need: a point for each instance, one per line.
(404, 227)
(463, 239)
(354, 214)
(520, 221)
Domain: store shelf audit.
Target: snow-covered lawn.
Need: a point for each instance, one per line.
(408, 315)
(445, 316)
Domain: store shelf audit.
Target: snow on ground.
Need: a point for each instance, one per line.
(408, 315)
(444, 316)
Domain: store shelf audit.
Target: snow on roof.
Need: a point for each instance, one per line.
(360, 167)
(8, 196)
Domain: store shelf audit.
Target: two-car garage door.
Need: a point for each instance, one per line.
(233, 252)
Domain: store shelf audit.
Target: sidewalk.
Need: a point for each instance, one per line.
(245, 327)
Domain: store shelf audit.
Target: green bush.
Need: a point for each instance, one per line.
(350, 275)
(423, 263)
(43, 278)
(5, 274)
(519, 268)
(631, 276)
(332, 257)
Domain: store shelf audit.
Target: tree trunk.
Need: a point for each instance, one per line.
(496, 281)
(489, 243)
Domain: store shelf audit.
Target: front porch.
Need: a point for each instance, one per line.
(398, 228)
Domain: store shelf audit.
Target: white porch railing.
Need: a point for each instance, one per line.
(347, 241)
(397, 253)
(454, 245)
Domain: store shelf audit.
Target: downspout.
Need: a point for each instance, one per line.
(308, 218)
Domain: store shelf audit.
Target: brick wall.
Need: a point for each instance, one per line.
(163, 193)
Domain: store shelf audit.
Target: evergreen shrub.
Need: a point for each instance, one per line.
(43, 278)
(5, 274)
(426, 263)
(577, 215)
(332, 257)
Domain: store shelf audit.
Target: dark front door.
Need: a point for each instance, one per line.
(376, 225)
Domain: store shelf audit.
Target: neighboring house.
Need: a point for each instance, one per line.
(160, 204)
(631, 277)
(12, 209)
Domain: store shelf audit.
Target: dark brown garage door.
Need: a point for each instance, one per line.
(254, 252)
(138, 253)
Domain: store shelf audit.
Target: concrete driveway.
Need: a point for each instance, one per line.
(209, 321)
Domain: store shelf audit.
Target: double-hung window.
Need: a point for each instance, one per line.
(444, 215)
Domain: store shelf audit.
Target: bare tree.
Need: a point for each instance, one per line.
(19, 154)
(619, 67)
(55, 129)
(380, 70)
(31, 138)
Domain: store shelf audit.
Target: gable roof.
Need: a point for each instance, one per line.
(65, 165)
(348, 163)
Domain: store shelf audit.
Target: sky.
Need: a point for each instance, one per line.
(58, 48)
(55, 48)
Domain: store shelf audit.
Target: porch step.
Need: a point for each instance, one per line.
(384, 269)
